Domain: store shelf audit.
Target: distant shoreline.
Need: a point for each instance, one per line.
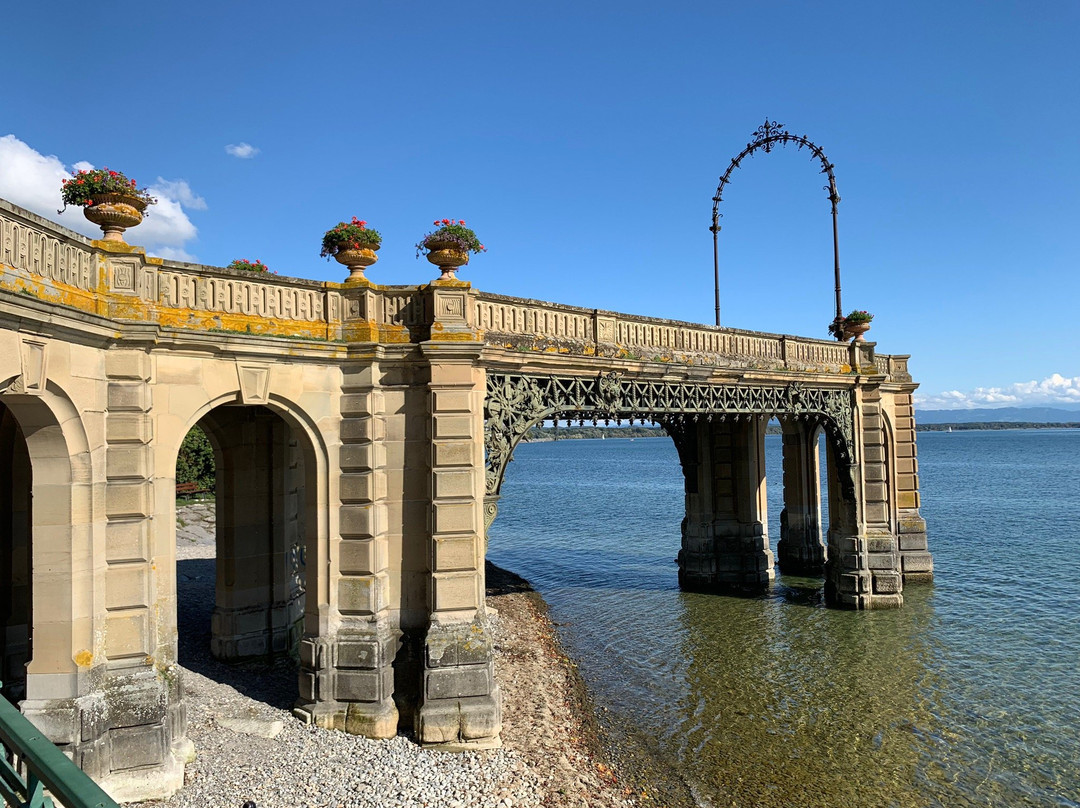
(547, 434)
(992, 426)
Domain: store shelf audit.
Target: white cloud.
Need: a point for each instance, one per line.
(32, 181)
(180, 191)
(1054, 390)
(174, 254)
(242, 150)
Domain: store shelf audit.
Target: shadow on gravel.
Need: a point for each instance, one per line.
(273, 682)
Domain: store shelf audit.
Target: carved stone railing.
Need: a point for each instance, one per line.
(40, 247)
(240, 295)
(536, 325)
(894, 366)
(49, 262)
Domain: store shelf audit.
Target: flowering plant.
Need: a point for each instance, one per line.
(249, 266)
(80, 189)
(856, 317)
(454, 232)
(353, 235)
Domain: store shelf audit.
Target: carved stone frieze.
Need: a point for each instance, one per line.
(517, 402)
(255, 297)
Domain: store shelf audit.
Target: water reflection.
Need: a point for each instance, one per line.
(968, 696)
(794, 706)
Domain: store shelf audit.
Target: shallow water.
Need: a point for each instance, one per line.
(970, 695)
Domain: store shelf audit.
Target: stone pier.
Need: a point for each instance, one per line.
(362, 433)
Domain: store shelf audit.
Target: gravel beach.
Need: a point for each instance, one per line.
(250, 747)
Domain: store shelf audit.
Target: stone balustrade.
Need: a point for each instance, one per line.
(45, 260)
(537, 325)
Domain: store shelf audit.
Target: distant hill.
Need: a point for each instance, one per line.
(1064, 413)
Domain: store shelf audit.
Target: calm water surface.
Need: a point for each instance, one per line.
(968, 696)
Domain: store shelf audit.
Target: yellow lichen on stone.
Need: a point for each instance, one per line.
(84, 659)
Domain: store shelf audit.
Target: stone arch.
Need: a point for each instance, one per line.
(889, 466)
(278, 422)
(66, 563)
(16, 517)
(801, 549)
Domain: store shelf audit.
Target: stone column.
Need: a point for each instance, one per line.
(137, 708)
(725, 537)
(915, 560)
(260, 493)
(863, 567)
(347, 674)
(460, 705)
(697, 557)
(800, 550)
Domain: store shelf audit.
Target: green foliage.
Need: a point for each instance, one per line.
(995, 426)
(455, 233)
(856, 316)
(195, 463)
(249, 266)
(79, 189)
(353, 235)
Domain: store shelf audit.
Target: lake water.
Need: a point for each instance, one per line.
(968, 696)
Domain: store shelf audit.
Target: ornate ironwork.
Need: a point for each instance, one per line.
(517, 402)
(766, 137)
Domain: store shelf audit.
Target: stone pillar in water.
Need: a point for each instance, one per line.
(800, 550)
(915, 560)
(725, 537)
(863, 567)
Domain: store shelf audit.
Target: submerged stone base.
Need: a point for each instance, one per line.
(801, 554)
(915, 560)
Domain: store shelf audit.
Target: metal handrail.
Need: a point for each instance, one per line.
(46, 768)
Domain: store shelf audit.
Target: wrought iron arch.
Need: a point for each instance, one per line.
(516, 402)
(765, 138)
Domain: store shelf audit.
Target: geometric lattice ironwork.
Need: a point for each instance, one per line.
(516, 402)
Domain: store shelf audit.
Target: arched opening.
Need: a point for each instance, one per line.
(49, 621)
(242, 548)
(16, 520)
(794, 454)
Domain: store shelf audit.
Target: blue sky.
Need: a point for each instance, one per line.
(583, 142)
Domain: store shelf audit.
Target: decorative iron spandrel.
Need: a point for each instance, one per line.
(517, 402)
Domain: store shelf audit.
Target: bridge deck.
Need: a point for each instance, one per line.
(41, 259)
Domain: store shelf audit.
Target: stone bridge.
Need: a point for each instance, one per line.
(361, 434)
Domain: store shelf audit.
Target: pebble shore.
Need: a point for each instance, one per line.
(250, 747)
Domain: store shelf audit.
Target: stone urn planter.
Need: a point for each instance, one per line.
(357, 260)
(353, 244)
(448, 256)
(856, 330)
(114, 213)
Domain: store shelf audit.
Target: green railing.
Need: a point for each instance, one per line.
(46, 767)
